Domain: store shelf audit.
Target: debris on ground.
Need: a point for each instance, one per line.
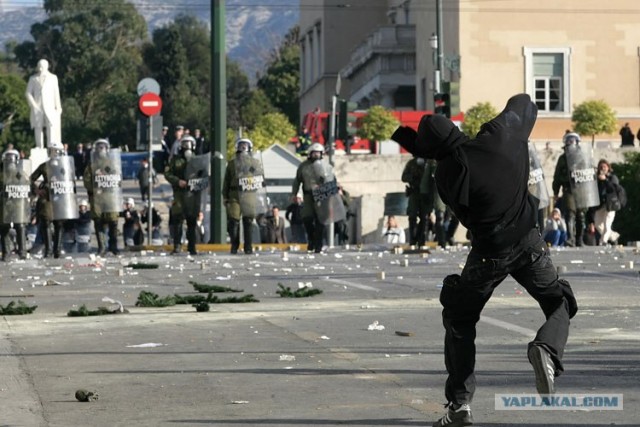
(203, 288)
(375, 326)
(150, 299)
(146, 345)
(286, 292)
(83, 311)
(117, 305)
(142, 266)
(86, 396)
(287, 358)
(12, 309)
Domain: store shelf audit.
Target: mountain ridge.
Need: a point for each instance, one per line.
(253, 30)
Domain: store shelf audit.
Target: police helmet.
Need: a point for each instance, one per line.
(55, 150)
(84, 203)
(316, 146)
(101, 144)
(130, 201)
(11, 155)
(188, 143)
(570, 138)
(245, 141)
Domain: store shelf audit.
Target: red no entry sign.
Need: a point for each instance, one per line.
(150, 104)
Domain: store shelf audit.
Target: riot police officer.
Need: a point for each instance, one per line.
(575, 195)
(14, 203)
(103, 180)
(321, 200)
(178, 176)
(418, 207)
(244, 194)
(53, 186)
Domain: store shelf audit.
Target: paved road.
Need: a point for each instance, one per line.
(298, 362)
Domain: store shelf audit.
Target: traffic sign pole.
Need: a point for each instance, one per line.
(150, 104)
(150, 195)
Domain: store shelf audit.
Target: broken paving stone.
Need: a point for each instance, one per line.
(287, 358)
(375, 326)
(49, 282)
(83, 395)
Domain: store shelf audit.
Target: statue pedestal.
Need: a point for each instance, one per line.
(37, 157)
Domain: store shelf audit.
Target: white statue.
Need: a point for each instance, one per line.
(43, 96)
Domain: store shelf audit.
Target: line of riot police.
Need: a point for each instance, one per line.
(244, 194)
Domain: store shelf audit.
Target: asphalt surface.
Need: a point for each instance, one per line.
(317, 361)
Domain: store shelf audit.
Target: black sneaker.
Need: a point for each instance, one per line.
(456, 417)
(543, 368)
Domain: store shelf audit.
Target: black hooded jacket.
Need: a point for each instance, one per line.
(484, 180)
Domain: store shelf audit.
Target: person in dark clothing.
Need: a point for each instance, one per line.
(155, 224)
(143, 178)
(294, 216)
(202, 147)
(575, 215)
(484, 182)
(626, 136)
(80, 160)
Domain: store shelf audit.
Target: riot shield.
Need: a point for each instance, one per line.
(582, 171)
(62, 187)
(107, 182)
(537, 184)
(252, 192)
(16, 191)
(327, 202)
(197, 177)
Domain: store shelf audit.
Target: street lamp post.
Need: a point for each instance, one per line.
(433, 42)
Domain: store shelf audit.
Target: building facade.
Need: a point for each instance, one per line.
(382, 68)
(560, 53)
(329, 32)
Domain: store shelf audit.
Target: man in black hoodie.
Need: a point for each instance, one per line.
(484, 181)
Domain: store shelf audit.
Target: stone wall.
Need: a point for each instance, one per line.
(368, 178)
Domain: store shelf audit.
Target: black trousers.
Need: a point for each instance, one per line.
(464, 296)
(315, 233)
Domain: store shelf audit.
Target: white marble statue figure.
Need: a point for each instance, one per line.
(43, 96)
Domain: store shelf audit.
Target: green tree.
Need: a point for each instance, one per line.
(238, 94)
(14, 113)
(378, 125)
(592, 118)
(281, 80)
(256, 107)
(272, 128)
(179, 58)
(476, 116)
(94, 48)
(626, 222)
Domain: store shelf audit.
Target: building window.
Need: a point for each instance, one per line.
(547, 79)
(548, 93)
